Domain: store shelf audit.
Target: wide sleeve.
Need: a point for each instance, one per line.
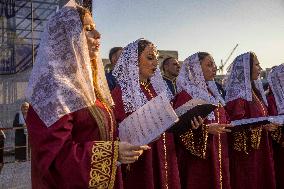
(60, 162)
(278, 134)
(194, 140)
(244, 138)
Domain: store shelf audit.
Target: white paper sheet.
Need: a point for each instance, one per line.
(148, 122)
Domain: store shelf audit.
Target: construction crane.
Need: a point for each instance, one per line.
(221, 67)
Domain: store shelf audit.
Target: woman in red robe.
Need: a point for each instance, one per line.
(139, 80)
(275, 100)
(203, 152)
(70, 121)
(251, 153)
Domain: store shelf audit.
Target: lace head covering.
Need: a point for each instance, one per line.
(238, 80)
(276, 83)
(61, 81)
(191, 79)
(126, 72)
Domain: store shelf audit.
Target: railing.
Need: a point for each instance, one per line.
(15, 164)
(14, 145)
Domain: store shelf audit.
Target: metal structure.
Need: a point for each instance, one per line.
(223, 64)
(21, 23)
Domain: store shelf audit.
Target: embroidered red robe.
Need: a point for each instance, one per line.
(251, 153)
(156, 168)
(207, 167)
(278, 145)
(71, 153)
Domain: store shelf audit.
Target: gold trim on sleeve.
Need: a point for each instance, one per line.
(197, 147)
(103, 164)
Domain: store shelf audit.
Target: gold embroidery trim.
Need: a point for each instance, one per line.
(98, 114)
(220, 160)
(146, 86)
(101, 121)
(219, 148)
(110, 114)
(277, 134)
(166, 163)
(103, 164)
(241, 138)
(198, 147)
(240, 141)
(106, 129)
(255, 137)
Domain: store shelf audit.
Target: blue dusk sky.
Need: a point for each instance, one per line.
(189, 26)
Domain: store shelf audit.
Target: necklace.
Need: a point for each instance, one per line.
(146, 87)
(260, 103)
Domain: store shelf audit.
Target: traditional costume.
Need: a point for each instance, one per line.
(251, 153)
(275, 100)
(202, 157)
(71, 127)
(156, 168)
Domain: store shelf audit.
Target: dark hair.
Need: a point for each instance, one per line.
(257, 92)
(202, 55)
(251, 57)
(166, 61)
(113, 51)
(142, 44)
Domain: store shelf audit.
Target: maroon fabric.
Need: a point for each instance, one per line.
(61, 153)
(151, 171)
(198, 173)
(277, 148)
(272, 108)
(254, 170)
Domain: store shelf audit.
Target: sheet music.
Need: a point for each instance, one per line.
(148, 122)
(248, 121)
(277, 119)
(273, 119)
(189, 105)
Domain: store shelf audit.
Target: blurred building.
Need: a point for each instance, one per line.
(22, 22)
(21, 25)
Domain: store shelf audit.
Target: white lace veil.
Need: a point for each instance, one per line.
(276, 83)
(191, 79)
(61, 81)
(238, 80)
(126, 72)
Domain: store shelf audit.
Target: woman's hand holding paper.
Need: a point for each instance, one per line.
(129, 153)
(195, 123)
(216, 128)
